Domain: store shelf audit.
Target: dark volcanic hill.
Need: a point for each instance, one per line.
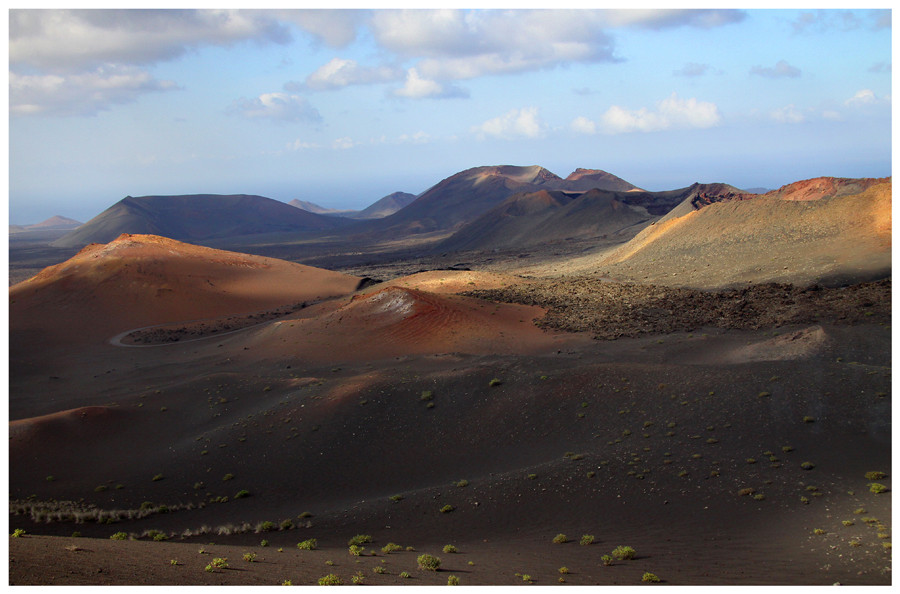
(464, 197)
(196, 217)
(53, 223)
(544, 217)
(385, 206)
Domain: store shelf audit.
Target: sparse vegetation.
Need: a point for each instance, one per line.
(119, 536)
(405, 575)
(877, 488)
(396, 498)
(607, 559)
(356, 550)
(379, 569)
(158, 477)
(564, 569)
(452, 580)
(623, 552)
(875, 475)
(651, 578)
(330, 580)
(18, 533)
(463, 483)
(449, 549)
(217, 563)
(587, 539)
(807, 465)
(560, 539)
(308, 545)
(249, 557)
(447, 509)
(494, 382)
(428, 562)
(391, 548)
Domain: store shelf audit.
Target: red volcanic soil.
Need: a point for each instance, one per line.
(138, 280)
(425, 419)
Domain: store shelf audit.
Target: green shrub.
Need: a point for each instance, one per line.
(330, 580)
(18, 532)
(560, 539)
(228, 477)
(587, 539)
(809, 419)
(287, 583)
(242, 493)
(405, 575)
(308, 545)
(158, 477)
(564, 570)
(304, 515)
(463, 483)
(249, 557)
(847, 522)
(217, 563)
(877, 488)
(622, 553)
(264, 543)
(874, 475)
(807, 465)
(396, 498)
(266, 526)
(494, 382)
(286, 524)
(447, 509)
(449, 549)
(390, 548)
(379, 569)
(356, 550)
(607, 559)
(651, 578)
(427, 395)
(452, 580)
(360, 539)
(119, 536)
(818, 532)
(429, 562)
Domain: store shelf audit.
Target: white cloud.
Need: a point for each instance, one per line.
(787, 115)
(516, 123)
(830, 114)
(865, 97)
(339, 73)
(781, 70)
(71, 40)
(277, 106)
(334, 28)
(583, 125)
(344, 143)
(300, 145)
(455, 45)
(670, 113)
(667, 18)
(80, 94)
(419, 137)
(417, 87)
(694, 69)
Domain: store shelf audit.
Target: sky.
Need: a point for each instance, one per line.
(342, 107)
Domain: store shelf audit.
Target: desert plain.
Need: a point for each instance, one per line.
(519, 388)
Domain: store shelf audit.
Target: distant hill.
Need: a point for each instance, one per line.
(465, 196)
(53, 223)
(385, 206)
(195, 218)
(544, 217)
(316, 209)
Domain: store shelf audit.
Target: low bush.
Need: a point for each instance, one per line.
(428, 562)
(360, 539)
(651, 578)
(587, 539)
(308, 545)
(330, 580)
(390, 548)
(623, 552)
(449, 549)
(560, 539)
(452, 580)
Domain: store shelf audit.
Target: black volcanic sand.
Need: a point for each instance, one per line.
(647, 442)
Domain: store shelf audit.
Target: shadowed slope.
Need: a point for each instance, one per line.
(196, 217)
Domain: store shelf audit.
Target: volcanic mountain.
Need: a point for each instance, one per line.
(385, 206)
(546, 216)
(137, 280)
(196, 217)
(819, 230)
(316, 209)
(53, 223)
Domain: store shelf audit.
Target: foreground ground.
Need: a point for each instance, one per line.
(726, 437)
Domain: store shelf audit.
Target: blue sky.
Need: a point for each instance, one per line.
(343, 107)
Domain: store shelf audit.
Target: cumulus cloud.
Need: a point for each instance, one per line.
(670, 113)
(865, 97)
(692, 69)
(80, 94)
(781, 70)
(417, 87)
(277, 106)
(822, 20)
(669, 18)
(72, 40)
(583, 125)
(334, 28)
(339, 73)
(344, 143)
(455, 45)
(516, 123)
(787, 115)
